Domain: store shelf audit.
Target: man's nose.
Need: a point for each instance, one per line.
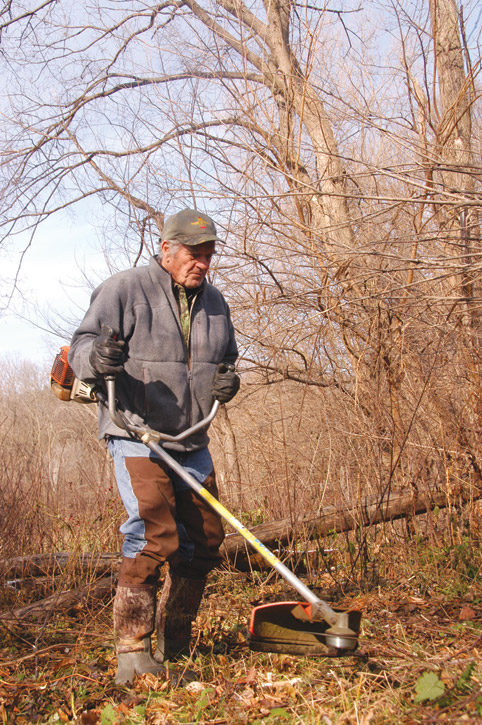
(204, 262)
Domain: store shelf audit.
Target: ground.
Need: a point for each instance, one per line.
(419, 660)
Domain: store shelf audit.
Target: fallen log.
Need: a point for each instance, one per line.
(337, 519)
(332, 519)
(35, 565)
(61, 601)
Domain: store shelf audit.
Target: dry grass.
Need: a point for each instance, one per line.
(418, 582)
(408, 629)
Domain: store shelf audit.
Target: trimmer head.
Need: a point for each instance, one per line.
(287, 627)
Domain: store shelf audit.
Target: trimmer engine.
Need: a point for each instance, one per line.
(65, 385)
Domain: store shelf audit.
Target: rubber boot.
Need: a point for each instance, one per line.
(139, 662)
(176, 610)
(133, 626)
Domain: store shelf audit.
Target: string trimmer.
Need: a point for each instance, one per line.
(311, 627)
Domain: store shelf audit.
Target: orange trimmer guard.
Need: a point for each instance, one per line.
(288, 627)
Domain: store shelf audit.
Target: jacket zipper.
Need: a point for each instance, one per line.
(189, 369)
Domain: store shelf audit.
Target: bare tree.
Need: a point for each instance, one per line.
(342, 164)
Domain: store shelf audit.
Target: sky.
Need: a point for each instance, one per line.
(50, 287)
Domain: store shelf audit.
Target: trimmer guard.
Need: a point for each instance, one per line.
(287, 627)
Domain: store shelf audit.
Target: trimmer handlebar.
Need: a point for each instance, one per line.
(121, 421)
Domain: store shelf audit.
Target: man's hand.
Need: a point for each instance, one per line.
(225, 384)
(108, 355)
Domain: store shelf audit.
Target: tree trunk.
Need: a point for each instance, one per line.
(454, 138)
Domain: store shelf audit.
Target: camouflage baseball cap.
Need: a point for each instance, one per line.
(190, 227)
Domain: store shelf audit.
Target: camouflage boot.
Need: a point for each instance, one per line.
(176, 610)
(133, 625)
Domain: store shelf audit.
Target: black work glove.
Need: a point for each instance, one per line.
(108, 355)
(225, 384)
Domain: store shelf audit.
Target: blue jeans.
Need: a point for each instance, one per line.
(166, 520)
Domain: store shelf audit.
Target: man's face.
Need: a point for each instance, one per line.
(188, 265)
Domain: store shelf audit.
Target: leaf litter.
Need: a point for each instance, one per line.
(419, 660)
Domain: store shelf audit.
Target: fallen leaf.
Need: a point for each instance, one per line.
(467, 613)
(195, 687)
(249, 678)
(89, 718)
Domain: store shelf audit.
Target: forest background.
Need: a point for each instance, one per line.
(338, 148)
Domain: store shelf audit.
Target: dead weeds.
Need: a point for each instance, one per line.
(419, 661)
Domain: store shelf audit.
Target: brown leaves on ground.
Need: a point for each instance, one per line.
(63, 671)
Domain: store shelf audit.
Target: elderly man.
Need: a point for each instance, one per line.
(171, 331)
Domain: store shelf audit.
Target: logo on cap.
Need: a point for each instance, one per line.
(200, 222)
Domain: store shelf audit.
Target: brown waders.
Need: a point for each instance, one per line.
(133, 626)
(177, 608)
(179, 527)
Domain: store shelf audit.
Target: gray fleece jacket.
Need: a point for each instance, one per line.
(164, 384)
